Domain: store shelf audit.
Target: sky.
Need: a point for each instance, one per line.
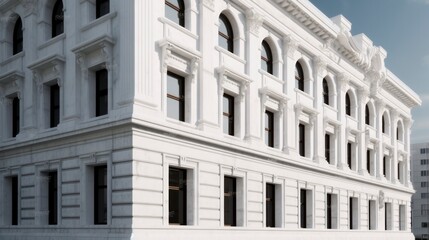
(402, 28)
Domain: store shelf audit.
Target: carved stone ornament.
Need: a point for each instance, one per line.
(381, 199)
(343, 80)
(290, 45)
(254, 22)
(319, 65)
(30, 6)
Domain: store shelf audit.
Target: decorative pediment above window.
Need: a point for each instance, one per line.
(94, 52)
(273, 99)
(48, 69)
(11, 83)
(178, 57)
(233, 82)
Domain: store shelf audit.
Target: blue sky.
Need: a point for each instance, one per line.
(402, 28)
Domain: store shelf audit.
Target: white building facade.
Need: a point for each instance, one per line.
(235, 119)
(420, 199)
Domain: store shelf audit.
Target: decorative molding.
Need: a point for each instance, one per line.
(290, 45)
(254, 21)
(319, 66)
(209, 4)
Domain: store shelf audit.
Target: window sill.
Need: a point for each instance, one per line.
(13, 58)
(298, 91)
(52, 41)
(94, 119)
(270, 76)
(230, 54)
(177, 122)
(98, 21)
(330, 107)
(178, 27)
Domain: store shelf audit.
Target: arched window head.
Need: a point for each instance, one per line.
(58, 19)
(175, 11)
(383, 124)
(266, 58)
(226, 35)
(367, 115)
(102, 8)
(18, 38)
(348, 105)
(325, 91)
(299, 76)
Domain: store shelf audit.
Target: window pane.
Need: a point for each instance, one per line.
(103, 8)
(14, 198)
(270, 205)
(57, 19)
(230, 201)
(15, 116)
(177, 196)
(53, 198)
(101, 92)
(100, 195)
(55, 105)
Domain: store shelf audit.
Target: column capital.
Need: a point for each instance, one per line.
(254, 21)
(343, 80)
(319, 66)
(290, 45)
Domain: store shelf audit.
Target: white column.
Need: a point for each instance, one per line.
(343, 81)
(319, 131)
(393, 124)
(362, 141)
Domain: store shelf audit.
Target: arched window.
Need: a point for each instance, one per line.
(18, 38)
(175, 11)
(57, 19)
(325, 91)
(367, 115)
(266, 58)
(102, 7)
(348, 105)
(226, 35)
(299, 76)
(383, 124)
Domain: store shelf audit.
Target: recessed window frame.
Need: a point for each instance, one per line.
(227, 36)
(16, 115)
(302, 140)
(348, 105)
(102, 7)
(328, 148)
(299, 77)
(101, 92)
(181, 190)
(372, 214)
(269, 128)
(100, 195)
(18, 37)
(353, 211)
(57, 19)
(332, 210)
(54, 105)
(306, 208)
(267, 58)
(228, 114)
(325, 88)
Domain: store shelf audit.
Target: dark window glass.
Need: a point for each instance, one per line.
(349, 155)
(384, 165)
(15, 199)
(270, 205)
(329, 211)
(367, 117)
(351, 213)
(424, 224)
(385, 216)
(269, 128)
(301, 143)
(397, 133)
(369, 215)
(15, 116)
(348, 105)
(368, 161)
(325, 92)
(175, 96)
(100, 195)
(175, 11)
(303, 208)
(383, 125)
(177, 196)
(102, 8)
(230, 201)
(266, 58)
(58, 19)
(18, 37)
(53, 198)
(328, 148)
(101, 92)
(55, 105)
(226, 35)
(228, 114)
(399, 171)
(299, 76)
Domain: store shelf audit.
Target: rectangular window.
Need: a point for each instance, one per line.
(422, 173)
(15, 116)
(269, 128)
(402, 221)
(423, 184)
(230, 201)
(175, 96)
(372, 215)
(328, 148)
(306, 208)
(384, 166)
(100, 194)
(228, 114)
(177, 196)
(301, 130)
(329, 211)
(353, 213)
(388, 216)
(54, 105)
(102, 8)
(368, 161)
(424, 161)
(14, 199)
(349, 155)
(270, 204)
(424, 150)
(424, 195)
(53, 198)
(424, 224)
(101, 92)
